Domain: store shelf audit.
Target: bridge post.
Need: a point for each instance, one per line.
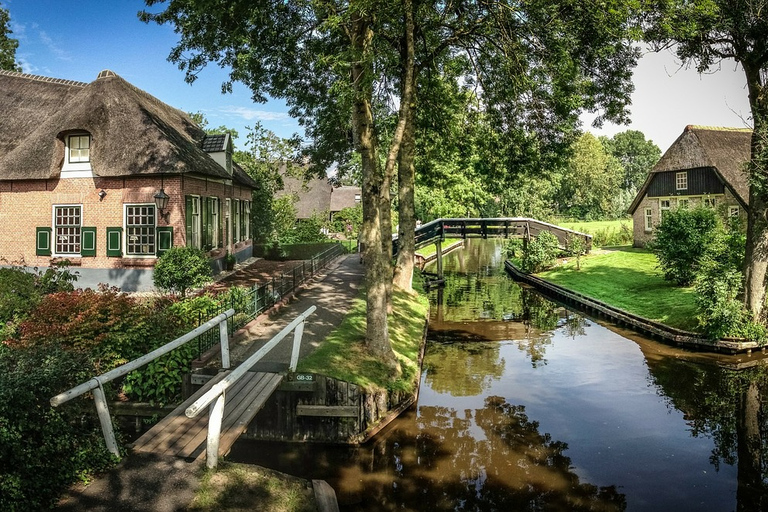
(106, 421)
(215, 417)
(439, 253)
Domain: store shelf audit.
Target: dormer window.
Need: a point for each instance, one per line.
(681, 181)
(79, 148)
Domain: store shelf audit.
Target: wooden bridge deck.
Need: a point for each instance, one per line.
(186, 437)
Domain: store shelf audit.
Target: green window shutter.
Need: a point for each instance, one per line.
(220, 218)
(164, 239)
(114, 242)
(188, 212)
(206, 220)
(43, 241)
(88, 242)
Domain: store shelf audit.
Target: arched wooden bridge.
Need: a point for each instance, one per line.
(436, 231)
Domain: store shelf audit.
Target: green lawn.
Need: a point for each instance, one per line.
(593, 227)
(628, 279)
(343, 354)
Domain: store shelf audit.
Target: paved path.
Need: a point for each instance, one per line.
(144, 482)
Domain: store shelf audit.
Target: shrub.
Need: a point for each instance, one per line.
(540, 253)
(18, 293)
(182, 268)
(577, 246)
(44, 449)
(681, 240)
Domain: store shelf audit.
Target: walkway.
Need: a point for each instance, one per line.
(167, 484)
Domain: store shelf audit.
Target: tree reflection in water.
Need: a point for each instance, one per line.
(492, 458)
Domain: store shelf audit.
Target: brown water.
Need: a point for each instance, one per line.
(525, 405)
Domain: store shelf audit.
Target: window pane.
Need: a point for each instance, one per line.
(140, 229)
(67, 229)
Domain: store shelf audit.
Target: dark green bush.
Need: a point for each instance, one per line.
(182, 268)
(43, 449)
(18, 293)
(540, 253)
(681, 241)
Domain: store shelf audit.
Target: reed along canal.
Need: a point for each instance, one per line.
(526, 405)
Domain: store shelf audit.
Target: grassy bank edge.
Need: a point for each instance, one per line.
(343, 354)
(629, 279)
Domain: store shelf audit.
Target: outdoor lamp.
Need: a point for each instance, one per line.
(161, 200)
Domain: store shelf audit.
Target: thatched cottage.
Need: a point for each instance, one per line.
(705, 165)
(108, 177)
(318, 197)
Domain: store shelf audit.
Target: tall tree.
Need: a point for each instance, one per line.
(8, 45)
(636, 155)
(705, 33)
(336, 62)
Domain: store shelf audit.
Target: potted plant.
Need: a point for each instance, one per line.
(229, 261)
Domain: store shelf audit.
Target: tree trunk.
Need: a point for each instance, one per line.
(406, 206)
(756, 255)
(377, 267)
(750, 494)
(406, 149)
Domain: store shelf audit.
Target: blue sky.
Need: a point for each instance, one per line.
(76, 40)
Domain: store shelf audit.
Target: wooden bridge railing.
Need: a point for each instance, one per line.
(502, 227)
(96, 384)
(215, 397)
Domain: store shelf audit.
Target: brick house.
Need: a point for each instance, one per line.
(705, 165)
(108, 177)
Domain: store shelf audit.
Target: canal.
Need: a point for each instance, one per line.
(526, 405)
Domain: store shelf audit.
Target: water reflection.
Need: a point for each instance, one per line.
(525, 405)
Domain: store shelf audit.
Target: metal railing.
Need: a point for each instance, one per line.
(96, 384)
(259, 298)
(214, 398)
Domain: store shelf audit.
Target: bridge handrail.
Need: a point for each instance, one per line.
(216, 395)
(96, 384)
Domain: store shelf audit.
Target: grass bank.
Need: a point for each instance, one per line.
(629, 279)
(235, 487)
(343, 354)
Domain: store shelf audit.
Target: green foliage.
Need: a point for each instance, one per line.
(8, 45)
(304, 231)
(681, 241)
(182, 268)
(719, 284)
(160, 381)
(44, 450)
(350, 217)
(587, 188)
(18, 294)
(576, 246)
(540, 253)
(636, 155)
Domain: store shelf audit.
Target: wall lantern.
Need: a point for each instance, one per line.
(102, 194)
(161, 200)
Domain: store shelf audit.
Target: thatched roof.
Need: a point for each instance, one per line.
(132, 132)
(726, 150)
(344, 197)
(314, 195)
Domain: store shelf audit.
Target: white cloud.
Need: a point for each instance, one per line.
(250, 114)
(60, 53)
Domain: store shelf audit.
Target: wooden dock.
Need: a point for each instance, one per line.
(186, 437)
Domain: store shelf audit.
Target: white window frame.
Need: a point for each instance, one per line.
(709, 202)
(150, 233)
(734, 211)
(79, 154)
(247, 215)
(78, 167)
(648, 215)
(55, 232)
(683, 203)
(681, 180)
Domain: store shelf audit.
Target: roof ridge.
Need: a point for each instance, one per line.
(717, 128)
(40, 78)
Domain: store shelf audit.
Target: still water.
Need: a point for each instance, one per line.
(525, 405)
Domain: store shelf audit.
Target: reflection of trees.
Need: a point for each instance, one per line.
(492, 458)
(728, 406)
(462, 369)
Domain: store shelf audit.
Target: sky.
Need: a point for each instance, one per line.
(77, 40)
